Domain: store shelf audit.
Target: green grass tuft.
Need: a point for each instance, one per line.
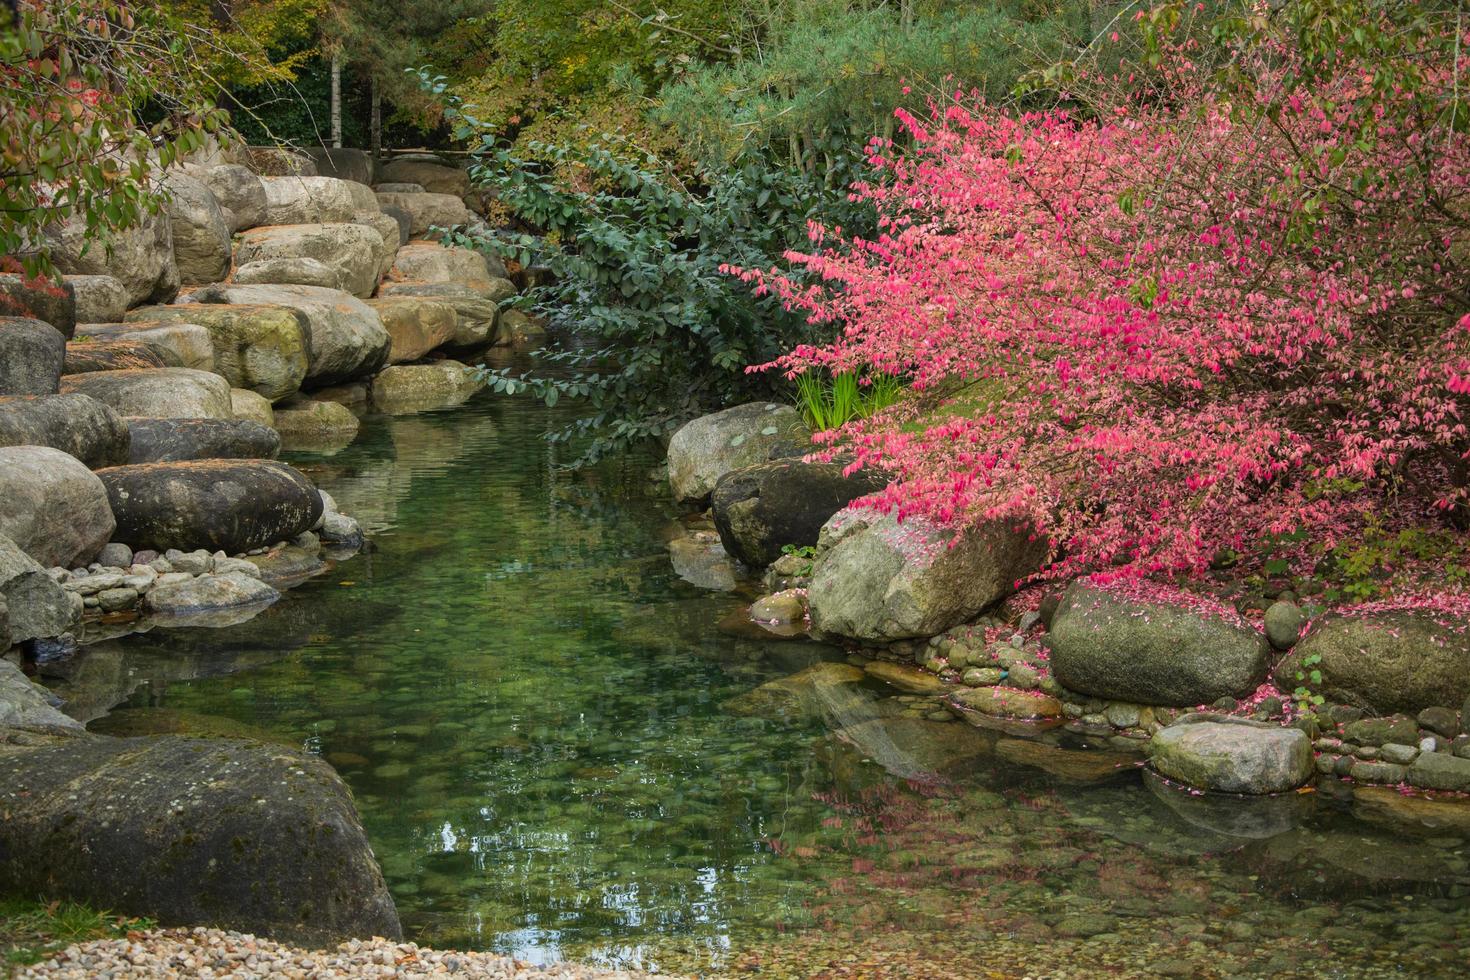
(31, 931)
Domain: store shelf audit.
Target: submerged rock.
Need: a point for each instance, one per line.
(191, 831)
(1232, 755)
(52, 506)
(171, 440)
(24, 704)
(707, 448)
(406, 388)
(763, 508)
(906, 677)
(227, 505)
(165, 393)
(812, 692)
(1146, 651)
(75, 424)
(1247, 817)
(323, 426)
(31, 357)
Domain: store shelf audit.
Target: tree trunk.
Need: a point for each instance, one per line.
(375, 123)
(336, 99)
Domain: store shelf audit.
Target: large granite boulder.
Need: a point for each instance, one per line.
(1146, 649)
(24, 704)
(31, 356)
(37, 607)
(193, 831)
(1383, 662)
(761, 509)
(201, 232)
(86, 356)
(173, 440)
(279, 161)
(878, 580)
(191, 342)
(39, 299)
(708, 447)
(99, 299)
(416, 325)
(251, 406)
(432, 262)
(436, 178)
(52, 506)
(75, 424)
(262, 347)
(347, 340)
(475, 315)
(350, 251)
(390, 236)
(239, 192)
(1232, 755)
(141, 257)
(228, 505)
(428, 211)
(342, 162)
(407, 388)
(164, 393)
(308, 200)
(287, 272)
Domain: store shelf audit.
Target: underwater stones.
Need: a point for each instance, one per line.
(179, 393)
(1231, 815)
(52, 506)
(1149, 651)
(169, 440)
(1384, 661)
(762, 509)
(349, 250)
(700, 560)
(36, 606)
(808, 693)
(260, 347)
(207, 593)
(905, 677)
(31, 356)
(306, 424)
(707, 448)
(242, 834)
(1069, 765)
(1232, 755)
(878, 580)
(406, 388)
(1004, 702)
(416, 325)
(226, 505)
(75, 424)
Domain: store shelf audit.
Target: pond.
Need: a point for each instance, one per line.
(556, 753)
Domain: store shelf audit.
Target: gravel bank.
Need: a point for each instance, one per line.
(214, 953)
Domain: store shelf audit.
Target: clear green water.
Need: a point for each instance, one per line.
(532, 711)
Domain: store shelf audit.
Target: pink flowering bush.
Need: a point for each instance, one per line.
(1220, 304)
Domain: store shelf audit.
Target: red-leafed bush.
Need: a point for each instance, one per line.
(1222, 301)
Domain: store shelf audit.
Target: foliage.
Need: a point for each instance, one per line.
(1236, 283)
(846, 397)
(78, 79)
(30, 931)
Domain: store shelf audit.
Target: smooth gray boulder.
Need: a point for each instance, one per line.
(386, 225)
(342, 162)
(23, 704)
(210, 593)
(31, 357)
(39, 299)
(99, 299)
(475, 314)
(52, 506)
(347, 340)
(193, 831)
(201, 233)
(279, 161)
(435, 178)
(1383, 662)
(432, 262)
(239, 192)
(261, 347)
(1232, 755)
(252, 407)
(288, 272)
(216, 504)
(708, 447)
(761, 509)
(1151, 651)
(75, 424)
(164, 393)
(173, 440)
(86, 356)
(189, 341)
(37, 607)
(350, 251)
(428, 211)
(308, 200)
(140, 257)
(878, 580)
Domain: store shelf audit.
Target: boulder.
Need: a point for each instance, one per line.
(52, 506)
(279, 161)
(74, 424)
(24, 704)
(519, 331)
(171, 440)
(308, 200)
(407, 388)
(1383, 662)
(252, 407)
(37, 608)
(306, 424)
(710, 446)
(39, 299)
(31, 356)
(435, 178)
(232, 833)
(879, 580)
(164, 393)
(219, 505)
(190, 341)
(432, 262)
(344, 163)
(398, 187)
(761, 509)
(1440, 770)
(475, 316)
(403, 220)
(347, 340)
(100, 299)
(86, 356)
(813, 692)
(210, 593)
(201, 233)
(263, 347)
(290, 272)
(390, 237)
(1232, 755)
(1144, 650)
(141, 257)
(428, 211)
(416, 325)
(239, 191)
(351, 251)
